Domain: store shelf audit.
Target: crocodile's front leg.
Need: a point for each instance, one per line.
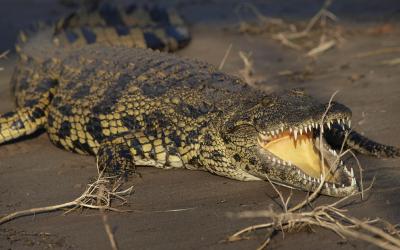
(337, 135)
(31, 115)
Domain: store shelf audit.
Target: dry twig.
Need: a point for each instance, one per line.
(248, 71)
(96, 196)
(313, 38)
(2, 56)
(228, 50)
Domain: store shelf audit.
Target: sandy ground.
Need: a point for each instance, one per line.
(35, 173)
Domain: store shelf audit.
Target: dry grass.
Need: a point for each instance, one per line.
(318, 35)
(332, 217)
(98, 195)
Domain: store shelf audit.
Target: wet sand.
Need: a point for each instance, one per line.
(182, 209)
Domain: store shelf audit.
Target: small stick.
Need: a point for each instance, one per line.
(4, 54)
(221, 65)
(321, 48)
(378, 52)
(109, 232)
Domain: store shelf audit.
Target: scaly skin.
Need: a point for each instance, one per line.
(132, 106)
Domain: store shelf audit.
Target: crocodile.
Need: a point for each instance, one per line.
(132, 106)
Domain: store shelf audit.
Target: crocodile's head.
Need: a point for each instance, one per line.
(280, 138)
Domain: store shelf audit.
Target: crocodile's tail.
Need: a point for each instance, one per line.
(25, 35)
(337, 135)
(132, 26)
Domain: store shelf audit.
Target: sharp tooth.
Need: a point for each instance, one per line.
(351, 172)
(304, 176)
(295, 134)
(310, 127)
(298, 171)
(349, 123)
(326, 185)
(342, 185)
(278, 161)
(334, 186)
(353, 181)
(345, 169)
(289, 163)
(309, 178)
(269, 157)
(282, 128)
(301, 131)
(273, 160)
(272, 133)
(277, 132)
(264, 137)
(329, 125)
(290, 130)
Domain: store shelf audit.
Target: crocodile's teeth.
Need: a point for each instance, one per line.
(295, 134)
(326, 185)
(290, 130)
(272, 133)
(301, 131)
(264, 137)
(277, 132)
(351, 172)
(310, 127)
(334, 186)
(353, 181)
(329, 125)
(349, 123)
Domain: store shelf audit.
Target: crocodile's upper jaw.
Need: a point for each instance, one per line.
(295, 155)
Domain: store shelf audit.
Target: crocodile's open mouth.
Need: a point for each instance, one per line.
(304, 150)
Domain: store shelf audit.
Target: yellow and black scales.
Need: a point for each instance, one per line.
(93, 93)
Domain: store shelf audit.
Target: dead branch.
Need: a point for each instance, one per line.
(97, 195)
